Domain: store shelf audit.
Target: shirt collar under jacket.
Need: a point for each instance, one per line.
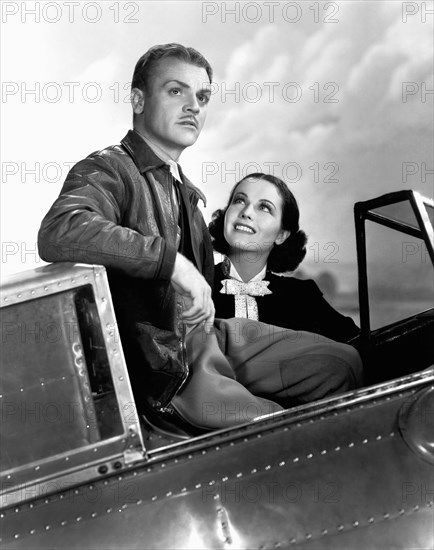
(233, 273)
(163, 155)
(146, 160)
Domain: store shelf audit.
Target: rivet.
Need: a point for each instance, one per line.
(78, 518)
(364, 441)
(198, 485)
(310, 455)
(401, 511)
(378, 437)
(169, 494)
(371, 520)
(93, 515)
(282, 463)
(351, 444)
(16, 536)
(154, 498)
(47, 527)
(324, 452)
(37, 467)
(108, 510)
(32, 531)
(121, 378)
(239, 474)
(340, 527)
(225, 478)
(308, 536)
(416, 508)
(139, 502)
(212, 482)
(392, 434)
(355, 523)
(296, 459)
(386, 516)
(324, 532)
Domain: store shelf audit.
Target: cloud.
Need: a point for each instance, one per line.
(349, 123)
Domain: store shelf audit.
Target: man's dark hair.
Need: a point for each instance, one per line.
(283, 257)
(146, 64)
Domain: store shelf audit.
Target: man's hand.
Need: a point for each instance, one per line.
(196, 292)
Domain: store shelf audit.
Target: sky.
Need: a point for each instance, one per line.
(333, 97)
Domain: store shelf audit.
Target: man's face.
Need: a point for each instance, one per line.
(174, 107)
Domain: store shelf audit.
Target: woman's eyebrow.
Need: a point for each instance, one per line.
(268, 202)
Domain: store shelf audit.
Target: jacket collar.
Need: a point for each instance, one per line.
(146, 160)
(143, 156)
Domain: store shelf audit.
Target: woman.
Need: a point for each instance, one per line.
(259, 235)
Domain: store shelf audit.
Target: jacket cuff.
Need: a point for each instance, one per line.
(167, 264)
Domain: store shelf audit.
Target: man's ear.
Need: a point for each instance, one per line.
(282, 236)
(137, 100)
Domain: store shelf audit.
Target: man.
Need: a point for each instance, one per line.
(130, 208)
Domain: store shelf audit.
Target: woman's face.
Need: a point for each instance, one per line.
(253, 220)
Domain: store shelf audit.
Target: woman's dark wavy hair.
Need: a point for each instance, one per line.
(283, 257)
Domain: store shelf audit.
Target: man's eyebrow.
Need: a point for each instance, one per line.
(182, 84)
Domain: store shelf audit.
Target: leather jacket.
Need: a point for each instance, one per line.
(116, 209)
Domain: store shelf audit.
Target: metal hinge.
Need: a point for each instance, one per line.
(136, 454)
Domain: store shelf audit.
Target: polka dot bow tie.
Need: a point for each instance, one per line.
(245, 303)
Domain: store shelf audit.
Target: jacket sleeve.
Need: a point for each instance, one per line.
(85, 225)
(327, 320)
